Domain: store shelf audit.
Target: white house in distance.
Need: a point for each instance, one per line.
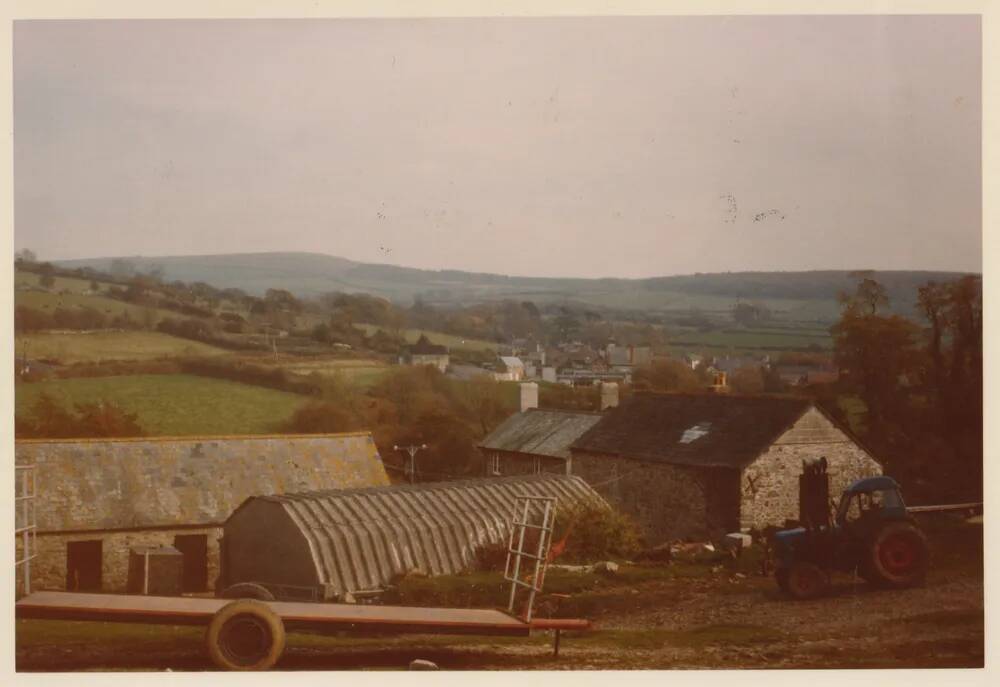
(509, 369)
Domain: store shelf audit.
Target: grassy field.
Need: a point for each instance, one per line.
(106, 346)
(361, 372)
(49, 301)
(452, 342)
(175, 404)
(61, 283)
(757, 339)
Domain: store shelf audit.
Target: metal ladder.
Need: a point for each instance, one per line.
(534, 514)
(25, 527)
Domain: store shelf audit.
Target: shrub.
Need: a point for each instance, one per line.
(587, 532)
(491, 557)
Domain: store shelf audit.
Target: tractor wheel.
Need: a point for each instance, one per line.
(806, 581)
(247, 590)
(899, 556)
(781, 577)
(245, 635)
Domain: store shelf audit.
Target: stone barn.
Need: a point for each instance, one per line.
(699, 465)
(99, 498)
(322, 544)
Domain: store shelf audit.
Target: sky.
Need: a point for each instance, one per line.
(584, 147)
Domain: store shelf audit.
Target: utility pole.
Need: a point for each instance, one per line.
(412, 450)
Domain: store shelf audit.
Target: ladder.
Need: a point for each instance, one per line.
(530, 538)
(25, 527)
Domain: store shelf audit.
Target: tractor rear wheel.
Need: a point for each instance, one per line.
(245, 635)
(898, 557)
(806, 581)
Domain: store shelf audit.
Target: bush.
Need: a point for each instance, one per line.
(588, 532)
(48, 419)
(491, 557)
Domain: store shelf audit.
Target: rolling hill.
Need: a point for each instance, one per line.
(797, 295)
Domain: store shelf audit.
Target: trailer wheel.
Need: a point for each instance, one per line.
(245, 635)
(247, 590)
(806, 581)
(899, 556)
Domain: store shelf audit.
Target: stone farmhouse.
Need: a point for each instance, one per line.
(97, 499)
(700, 465)
(423, 352)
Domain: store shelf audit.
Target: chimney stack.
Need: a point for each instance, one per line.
(609, 395)
(529, 396)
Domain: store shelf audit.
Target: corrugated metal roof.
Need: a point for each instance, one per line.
(540, 432)
(361, 538)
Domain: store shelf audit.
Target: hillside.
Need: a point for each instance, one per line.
(797, 295)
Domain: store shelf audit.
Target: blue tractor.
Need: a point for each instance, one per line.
(870, 535)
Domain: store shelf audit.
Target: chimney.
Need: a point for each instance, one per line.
(609, 395)
(529, 396)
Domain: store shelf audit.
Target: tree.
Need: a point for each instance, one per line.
(46, 275)
(666, 375)
(748, 379)
(25, 256)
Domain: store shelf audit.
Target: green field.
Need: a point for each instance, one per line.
(361, 372)
(449, 340)
(110, 307)
(105, 346)
(179, 404)
(61, 283)
(763, 339)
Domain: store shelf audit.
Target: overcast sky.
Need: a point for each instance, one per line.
(624, 147)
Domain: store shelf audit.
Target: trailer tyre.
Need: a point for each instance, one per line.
(806, 581)
(899, 556)
(247, 590)
(245, 635)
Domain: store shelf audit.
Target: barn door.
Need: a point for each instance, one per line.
(194, 547)
(83, 566)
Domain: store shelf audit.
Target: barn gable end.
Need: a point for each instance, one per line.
(769, 484)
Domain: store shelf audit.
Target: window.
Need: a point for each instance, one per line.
(494, 466)
(537, 465)
(83, 565)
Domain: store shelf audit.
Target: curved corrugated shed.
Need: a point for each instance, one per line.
(360, 538)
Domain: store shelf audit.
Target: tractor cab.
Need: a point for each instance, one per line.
(869, 503)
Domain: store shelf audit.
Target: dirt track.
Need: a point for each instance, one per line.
(716, 620)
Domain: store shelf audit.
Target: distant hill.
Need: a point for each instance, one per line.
(795, 295)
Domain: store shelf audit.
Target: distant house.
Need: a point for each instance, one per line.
(98, 498)
(698, 465)
(423, 352)
(509, 369)
(627, 357)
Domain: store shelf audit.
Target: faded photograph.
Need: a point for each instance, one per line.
(566, 343)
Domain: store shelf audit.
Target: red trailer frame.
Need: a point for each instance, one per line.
(261, 625)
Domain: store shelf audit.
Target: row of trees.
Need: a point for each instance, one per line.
(922, 386)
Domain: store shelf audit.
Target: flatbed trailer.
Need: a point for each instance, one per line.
(250, 635)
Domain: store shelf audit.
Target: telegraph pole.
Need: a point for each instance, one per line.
(412, 450)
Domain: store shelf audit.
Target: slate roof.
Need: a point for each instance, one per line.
(106, 484)
(540, 432)
(710, 430)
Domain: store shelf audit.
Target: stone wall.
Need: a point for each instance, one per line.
(512, 463)
(769, 487)
(668, 502)
(49, 568)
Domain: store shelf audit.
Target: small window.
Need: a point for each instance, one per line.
(538, 465)
(494, 465)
